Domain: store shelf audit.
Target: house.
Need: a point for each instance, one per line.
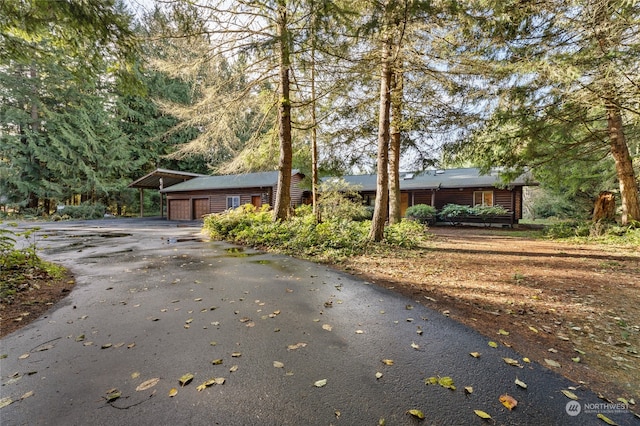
(453, 186)
(191, 196)
(194, 198)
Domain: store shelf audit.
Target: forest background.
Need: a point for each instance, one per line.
(97, 93)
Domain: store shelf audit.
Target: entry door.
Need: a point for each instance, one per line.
(256, 200)
(404, 203)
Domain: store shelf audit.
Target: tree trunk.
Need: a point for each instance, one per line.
(282, 208)
(380, 211)
(624, 165)
(395, 214)
(605, 35)
(314, 130)
(604, 208)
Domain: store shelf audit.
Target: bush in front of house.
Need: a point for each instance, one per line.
(452, 212)
(456, 213)
(422, 213)
(488, 211)
(333, 239)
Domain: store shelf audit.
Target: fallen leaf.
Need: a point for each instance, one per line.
(113, 395)
(415, 346)
(296, 346)
(535, 330)
(206, 384)
(527, 360)
(416, 413)
(508, 401)
(569, 394)
(327, 327)
(278, 364)
(147, 384)
(475, 354)
(493, 344)
(234, 368)
(106, 345)
(173, 392)
(503, 332)
(217, 361)
(482, 414)
(26, 395)
(576, 359)
(80, 338)
(186, 379)
(5, 401)
(359, 331)
(606, 419)
(552, 363)
(382, 422)
(468, 389)
(512, 361)
(135, 375)
(219, 380)
(236, 354)
(320, 383)
(387, 361)
(378, 375)
(446, 382)
(520, 383)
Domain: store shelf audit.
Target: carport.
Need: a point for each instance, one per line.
(160, 179)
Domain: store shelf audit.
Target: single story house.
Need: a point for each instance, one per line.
(453, 186)
(192, 199)
(191, 196)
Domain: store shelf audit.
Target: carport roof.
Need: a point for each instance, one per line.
(169, 178)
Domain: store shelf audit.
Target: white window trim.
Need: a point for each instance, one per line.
(233, 198)
(493, 200)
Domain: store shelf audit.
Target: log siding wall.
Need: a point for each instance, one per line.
(188, 205)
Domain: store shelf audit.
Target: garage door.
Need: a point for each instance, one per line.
(179, 210)
(200, 207)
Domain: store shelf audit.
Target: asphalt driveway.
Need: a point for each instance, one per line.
(296, 343)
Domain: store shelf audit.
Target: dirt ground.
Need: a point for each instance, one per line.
(578, 305)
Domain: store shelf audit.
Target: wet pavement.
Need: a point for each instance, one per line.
(296, 343)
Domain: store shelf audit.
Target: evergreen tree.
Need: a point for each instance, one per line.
(564, 76)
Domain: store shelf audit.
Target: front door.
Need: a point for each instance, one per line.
(256, 200)
(404, 203)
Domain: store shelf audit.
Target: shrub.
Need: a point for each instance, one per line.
(83, 211)
(340, 200)
(451, 212)
(330, 240)
(405, 234)
(487, 211)
(422, 213)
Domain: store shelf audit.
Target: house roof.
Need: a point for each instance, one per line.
(246, 180)
(435, 179)
(166, 176)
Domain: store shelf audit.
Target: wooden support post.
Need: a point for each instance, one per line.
(141, 202)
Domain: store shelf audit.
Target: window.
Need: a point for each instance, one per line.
(233, 201)
(483, 198)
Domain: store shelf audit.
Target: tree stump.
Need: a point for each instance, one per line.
(604, 208)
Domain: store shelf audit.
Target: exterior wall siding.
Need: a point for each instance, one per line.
(192, 205)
